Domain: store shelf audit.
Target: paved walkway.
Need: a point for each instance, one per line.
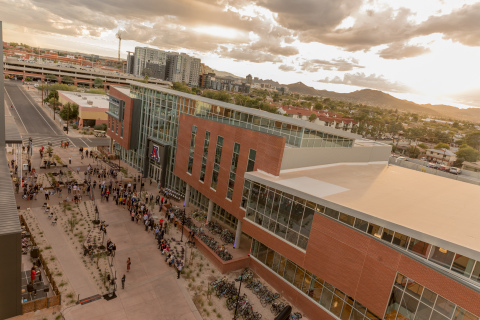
(67, 256)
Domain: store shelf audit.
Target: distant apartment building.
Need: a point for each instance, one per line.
(324, 118)
(144, 56)
(443, 156)
(180, 67)
(211, 81)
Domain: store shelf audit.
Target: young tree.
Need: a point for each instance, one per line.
(473, 139)
(312, 117)
(51, 78)
(467, 153)
(67, 80)
(442, 145)
(69, 111)
(98, 82)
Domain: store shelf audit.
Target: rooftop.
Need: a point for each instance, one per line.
(442, 151)
(255, 112)
(87, 100)
(441, 211)
(123, 89)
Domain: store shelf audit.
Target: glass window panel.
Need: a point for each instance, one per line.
(357, 305)
(462, 314)
(270, 255)
(347, 219)
(429, 297)
(281, 268)
(356, 315)
(332, 213)
(317, 291)
(415, 289)
(441, 256)
(292, 236)
(387, 235)
(298, 281)
(307, 221)
(326, 299)
(394, 303)
(281, 230)
(307, 284)
(444, 306)
(347, 310)
(262, 252)
(463, 265)
(276, 262)
(419, 247)
(272, 225)
(374, 230)
(290, 269)
(302, 242)
(337, 305)
(400, 240)
(371, 316)
(361, 225)
(437, 316)
(408, 306)
(423, 312)
(296, 216)
(476, 272)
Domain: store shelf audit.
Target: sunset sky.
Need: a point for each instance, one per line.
(427, 51)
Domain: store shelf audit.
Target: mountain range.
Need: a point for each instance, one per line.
(385, 101)
(374, 98)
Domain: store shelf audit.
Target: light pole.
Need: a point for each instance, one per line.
(239, 288)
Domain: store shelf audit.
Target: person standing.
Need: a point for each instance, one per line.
(129, 263)
(123, 282)
(179, 269)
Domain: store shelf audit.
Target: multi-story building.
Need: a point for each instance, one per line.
(443, 156)
(145, 55)
(183, 68)
(333, 228)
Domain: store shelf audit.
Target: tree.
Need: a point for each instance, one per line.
(423, 146)
(473, 139)
(102, 126)
(442, 145)
(147, 72)
(67, 80)
(98, 82)
(466, 153)
(318, 106)
(312, 117)
(145, 79)
(51, 78)
(69, 111)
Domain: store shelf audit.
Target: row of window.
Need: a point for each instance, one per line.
(411, 300)
(206, 144)
(216, 162)
(320, 291)
(287, 216)
(456, 263)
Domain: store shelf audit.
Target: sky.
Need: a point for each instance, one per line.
(426, 51)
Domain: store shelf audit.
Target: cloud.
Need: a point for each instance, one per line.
(372, 81)
(286, 68)
(461, 25)
(247, 54)
(399, 50)
(336, 64)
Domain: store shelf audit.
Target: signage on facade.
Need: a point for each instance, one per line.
(154, 153)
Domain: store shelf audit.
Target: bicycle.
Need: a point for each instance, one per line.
(296, 316)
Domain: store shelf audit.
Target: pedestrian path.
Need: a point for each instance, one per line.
(67, 256)
(40, 140)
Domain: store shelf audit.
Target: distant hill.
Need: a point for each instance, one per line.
(383, 100)
(225, 74)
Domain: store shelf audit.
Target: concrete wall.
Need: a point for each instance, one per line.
(10, 280)
(309, 157)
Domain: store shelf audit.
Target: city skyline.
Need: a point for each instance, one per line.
(424, 52)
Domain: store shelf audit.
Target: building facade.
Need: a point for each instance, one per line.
(183, 68)
(320, 206)
(144, 55)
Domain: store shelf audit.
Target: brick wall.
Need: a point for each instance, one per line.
(127, 120)
(268, 158)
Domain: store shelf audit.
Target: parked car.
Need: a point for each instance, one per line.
(455, 170)
(431, 165)
(423, 159)
(443, 168)
(401, 158)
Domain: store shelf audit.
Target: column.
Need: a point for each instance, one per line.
(238, 235)
(187, 195)
(210, 210)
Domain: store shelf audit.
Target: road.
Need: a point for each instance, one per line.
(32, 121)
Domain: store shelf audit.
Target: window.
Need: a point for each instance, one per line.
(206, 144)
(400, 240)
(441, 256)
(251, 160)
(345, 218)
(463, 265)
(419, 247)
(233, 170)
(216, 164)
(192, 149)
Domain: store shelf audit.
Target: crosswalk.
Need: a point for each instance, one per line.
(42, 140)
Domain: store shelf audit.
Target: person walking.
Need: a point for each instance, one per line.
(129, 263)
(123, 282)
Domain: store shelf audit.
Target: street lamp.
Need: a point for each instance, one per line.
(239, 288)
(183, 223)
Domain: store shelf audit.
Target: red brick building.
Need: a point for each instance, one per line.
(331, 226)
